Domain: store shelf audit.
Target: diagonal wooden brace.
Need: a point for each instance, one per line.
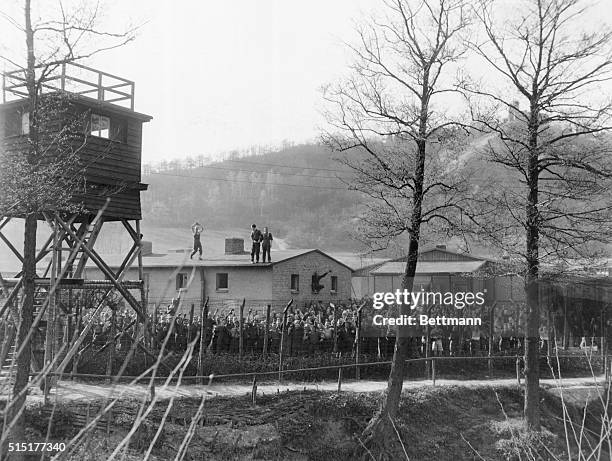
(5, 222)
(11, 247)
(130, 229)
(90, 244)
(8, 303)
(107, 272)
(129, 258)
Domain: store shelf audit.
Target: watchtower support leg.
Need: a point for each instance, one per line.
(51, 312)
(77, 238)
(137, 252)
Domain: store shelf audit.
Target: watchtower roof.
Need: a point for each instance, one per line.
(106, 133)
(88, 84)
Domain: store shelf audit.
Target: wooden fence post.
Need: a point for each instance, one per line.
(111, 349)
(427, 353)
(266, 332)
(358, 343)
(155, 322)
(204, 318)
(335, 328)
(146, 327)
(109, 421)
(254, 391)
(189, 338)
(433, 370)
(77, 356)
(603, 331)
(491, 332)
(565, 322)
(518, 370)
(282, 343)
(241, 330)
(339, 379)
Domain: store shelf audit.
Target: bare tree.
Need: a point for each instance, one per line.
(385, 117)
(44, 181)
(553, 202)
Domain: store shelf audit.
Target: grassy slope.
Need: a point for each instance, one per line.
(435, 424)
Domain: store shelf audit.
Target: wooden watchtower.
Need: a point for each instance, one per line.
(106, 135)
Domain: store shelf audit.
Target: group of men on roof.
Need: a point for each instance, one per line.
(263, 240)
(259, 241)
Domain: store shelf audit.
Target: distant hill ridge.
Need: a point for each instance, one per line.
(297, 192)
(300, 192)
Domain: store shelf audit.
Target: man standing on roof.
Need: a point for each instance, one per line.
(256, 242)
(266, 244)
(196, 229)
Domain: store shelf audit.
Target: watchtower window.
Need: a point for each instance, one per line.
(100, 126)
(118, 128)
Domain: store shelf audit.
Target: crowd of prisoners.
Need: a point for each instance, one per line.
(310, 330)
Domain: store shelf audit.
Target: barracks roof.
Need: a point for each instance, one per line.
(181, 259)
(430, 267)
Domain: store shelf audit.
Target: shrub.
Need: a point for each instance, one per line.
(62, 427)
(141, 440)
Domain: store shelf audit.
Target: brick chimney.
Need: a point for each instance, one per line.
(234, 246)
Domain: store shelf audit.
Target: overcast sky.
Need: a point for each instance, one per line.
(219, 75)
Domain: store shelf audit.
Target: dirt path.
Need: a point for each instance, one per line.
(69, 391)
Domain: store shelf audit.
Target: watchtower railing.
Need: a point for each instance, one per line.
(74, 78)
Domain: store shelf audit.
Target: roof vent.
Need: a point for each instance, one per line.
(234, 246)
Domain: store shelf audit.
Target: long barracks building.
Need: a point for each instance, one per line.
(573, 304)
(226, 279)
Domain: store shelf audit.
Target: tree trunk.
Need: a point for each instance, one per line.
(400, 354)
(26, 316)
(532, 356)
(25, 324)
(532, 340)
(390, 407)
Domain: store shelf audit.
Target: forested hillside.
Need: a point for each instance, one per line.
(297, 192)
